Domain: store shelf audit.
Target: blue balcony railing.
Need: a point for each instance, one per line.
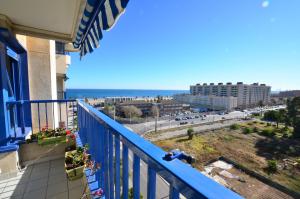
(114, 147)
(121, 152)
(32, 115)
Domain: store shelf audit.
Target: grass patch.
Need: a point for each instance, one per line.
(234, 127)
(247, 130)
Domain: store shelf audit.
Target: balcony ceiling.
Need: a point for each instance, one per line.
(51, 19)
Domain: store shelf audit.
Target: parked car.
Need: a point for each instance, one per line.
(177, 119)
(183, 123)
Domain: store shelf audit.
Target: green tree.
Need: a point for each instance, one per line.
(155, 114)
(276, 116)
(190, 133)
(272, 166)
(293, 114)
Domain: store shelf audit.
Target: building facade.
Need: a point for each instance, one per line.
(208, 101)
(164, 107)
(247, 95)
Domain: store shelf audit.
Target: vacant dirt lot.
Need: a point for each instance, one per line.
(251, 149)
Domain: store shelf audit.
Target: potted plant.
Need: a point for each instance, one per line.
(70, 141)
(75, 161)
(51, 136)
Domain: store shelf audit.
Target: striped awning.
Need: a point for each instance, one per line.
(98, 15)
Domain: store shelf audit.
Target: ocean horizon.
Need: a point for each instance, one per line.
(102, 93)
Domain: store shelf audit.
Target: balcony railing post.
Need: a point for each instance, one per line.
(22, 119)
(39, 116)
(151, 183)
(117, 165)
(46, 112)
(136, 177)
(105, 164)
(111, 163)
(125, 172)
(67, 125)
(174, 194)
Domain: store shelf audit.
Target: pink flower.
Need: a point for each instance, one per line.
(99, 192)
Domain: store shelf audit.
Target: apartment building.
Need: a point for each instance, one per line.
(248, 95)
(208, 101)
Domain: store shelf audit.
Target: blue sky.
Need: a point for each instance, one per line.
(172, 44)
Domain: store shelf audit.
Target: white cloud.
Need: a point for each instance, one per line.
(265, 4)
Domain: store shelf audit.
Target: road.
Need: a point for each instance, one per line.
(143, 128)
(202, 128)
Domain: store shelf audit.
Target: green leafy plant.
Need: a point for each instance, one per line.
(267, 132)
(234, 127)
(272, 166)
(247, 130)
(255, 130)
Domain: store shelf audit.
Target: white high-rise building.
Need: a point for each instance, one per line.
(248, 95)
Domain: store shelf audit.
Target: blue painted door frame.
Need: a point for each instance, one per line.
(13, 86)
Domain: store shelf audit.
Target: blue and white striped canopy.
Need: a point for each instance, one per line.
(98, 15)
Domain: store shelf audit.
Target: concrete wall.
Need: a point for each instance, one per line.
(42, 78)
(8, 163)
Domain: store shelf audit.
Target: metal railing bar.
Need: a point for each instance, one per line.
(67, 115)
(46, 113)
(111, 163)
(151, 183)
(39, 116)
(136, 177)
(125, 171)
(174, 194)
(117, 165)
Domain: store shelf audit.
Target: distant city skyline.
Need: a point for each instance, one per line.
(200, 41)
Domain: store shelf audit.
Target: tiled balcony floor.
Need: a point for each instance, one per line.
(43, 180)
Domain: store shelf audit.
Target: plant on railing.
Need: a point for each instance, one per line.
(75, 161)
(51, 136)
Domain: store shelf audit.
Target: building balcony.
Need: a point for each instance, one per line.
(62, 63)
(129, 163)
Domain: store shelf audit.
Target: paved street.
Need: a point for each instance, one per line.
(198, 129)
(143, 128)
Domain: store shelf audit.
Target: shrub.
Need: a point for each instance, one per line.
(247, 130)
(255, 130)
(267, 132)
(262, 123)
(190, 133)
(234, 126)
(272, 166)
(254, 122)
(250, 123)
(268, 124)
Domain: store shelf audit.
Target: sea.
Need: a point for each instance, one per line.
(102, 93)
